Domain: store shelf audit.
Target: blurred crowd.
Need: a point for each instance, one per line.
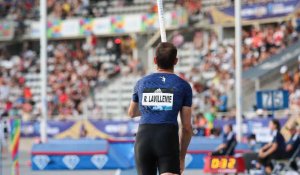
(61, 9)
(260, 44)
(291, 82)
(75, 69)
(212, 78)
(19, 10)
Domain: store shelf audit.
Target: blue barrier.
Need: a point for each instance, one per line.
(101, 154)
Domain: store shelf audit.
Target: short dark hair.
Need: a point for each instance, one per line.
(166, 54)
(276, 123)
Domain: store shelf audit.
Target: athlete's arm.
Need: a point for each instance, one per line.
(185, 132)
(133, 110)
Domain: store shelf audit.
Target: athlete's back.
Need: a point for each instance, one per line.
(160, 97)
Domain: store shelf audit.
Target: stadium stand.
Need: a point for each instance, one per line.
(290, 82)
(64, 80)
(204, 53)
(91, 75)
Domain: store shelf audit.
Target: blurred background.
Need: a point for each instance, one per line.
(98, 49)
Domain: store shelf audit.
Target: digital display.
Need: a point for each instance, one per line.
(223, 163)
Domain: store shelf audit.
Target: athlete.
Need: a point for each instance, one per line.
(158, 98)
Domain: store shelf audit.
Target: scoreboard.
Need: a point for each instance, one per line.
(224, 164)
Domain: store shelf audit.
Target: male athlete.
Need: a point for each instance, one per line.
(158, 98)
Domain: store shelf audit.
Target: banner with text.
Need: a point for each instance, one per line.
(6, 30)
(255, 11)
(78, 129)
(118, 24)
(257, 126)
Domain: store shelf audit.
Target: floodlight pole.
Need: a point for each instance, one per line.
(43, 68)
(238, 68)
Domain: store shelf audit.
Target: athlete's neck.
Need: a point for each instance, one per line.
(168, 71)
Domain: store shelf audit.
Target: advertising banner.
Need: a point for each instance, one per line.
(132, 23)
(255, 11)
(116, 128)
(149, 22)
(74, 129)
(54, 28)
(34, 29)
(111, 129)
(117, 24)
(258, 126)
(6, 30)
(101, 26)
(97, 26)
(32, 129)
(63, 28)
(70, 28)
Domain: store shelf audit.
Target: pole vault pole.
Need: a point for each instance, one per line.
(161, 19)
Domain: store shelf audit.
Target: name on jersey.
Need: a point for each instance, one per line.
(152, 99)
(158, 97)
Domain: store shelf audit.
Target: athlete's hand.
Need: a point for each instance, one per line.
(182, 166)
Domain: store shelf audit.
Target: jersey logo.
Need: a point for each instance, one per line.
(158, 99)
(158, 91)
(163, 79)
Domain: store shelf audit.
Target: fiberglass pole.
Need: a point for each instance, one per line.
(238, 68)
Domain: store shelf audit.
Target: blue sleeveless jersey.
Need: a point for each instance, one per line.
(161, 97)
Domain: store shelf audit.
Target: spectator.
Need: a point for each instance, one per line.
(298, 22)
(71, 77)
(228, 145)
(273, 150)
(291, 83)
(293, 144)
(178, 39)
(199, 124)
(223, 102)
(215, 133)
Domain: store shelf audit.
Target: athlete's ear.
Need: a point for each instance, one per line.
(176, 61)
(155, 60)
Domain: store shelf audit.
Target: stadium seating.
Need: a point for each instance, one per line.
(115, 98)
(188, 57)
(34, 83)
